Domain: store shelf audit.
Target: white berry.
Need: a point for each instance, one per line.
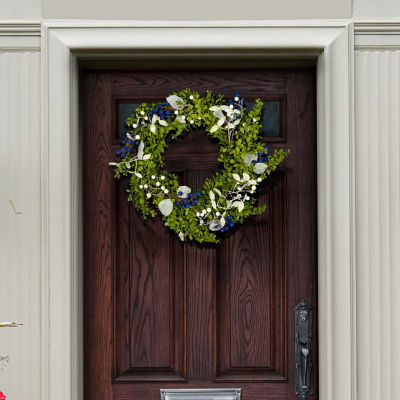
(208, 209)
(191, 121)
(166, 191)
(236, 98)
(134, 125)
(176, 112)
(148, 195)
(146, 117)
(231, 106)
(251, 191)
(142, 112)
(255, 119)
(253, 188)
(217, 213)
(140, 186)
(162, 177)
(146, 186)
(162, 187)
(259, 179)
(197, 214)
(157, 183)
(191, 97)
(153, 177)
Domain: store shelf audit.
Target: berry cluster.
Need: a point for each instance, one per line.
(228, 224)
(191, 200)
(128, 143)
(237, 102)
(262, 157)
(160, 111)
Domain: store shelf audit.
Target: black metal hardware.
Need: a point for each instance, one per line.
(303, 338)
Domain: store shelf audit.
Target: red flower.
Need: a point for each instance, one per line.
(2, 396)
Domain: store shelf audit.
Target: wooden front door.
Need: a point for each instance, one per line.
(160, 313)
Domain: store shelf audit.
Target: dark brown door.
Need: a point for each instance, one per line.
(160, 313)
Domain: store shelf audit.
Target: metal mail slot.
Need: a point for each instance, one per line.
(200, 394)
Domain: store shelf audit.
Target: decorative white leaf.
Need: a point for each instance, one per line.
(165, 206)
(231, 126)
(155, 119)
(229, 204)
(222, 221)
(236, 177)
(212, 195)
(236, 122)
(181, 120)
(217, 191)
(214, 204)
(138, 174)
(214, 225)
(236, 203)
(252, 182)
(140, 150)
(146, 156)
(219, 114)
(181, 236)
(176, 102)
(236, 111)
(112, 163)
(153, 128)
(214, 128)
(241, 206)
(246, 177)
(128, 165)
(259, 168)
(163, 123)
(221, 121)
(248, 158)
(214, 108)
(225, 108)
(129, 136)
(184, 190)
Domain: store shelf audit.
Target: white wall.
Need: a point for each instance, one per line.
(20, 234)
(376, 8)
(20, 9)
(195, 10)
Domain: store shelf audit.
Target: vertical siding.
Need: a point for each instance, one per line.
(377, 109)
(20, 234)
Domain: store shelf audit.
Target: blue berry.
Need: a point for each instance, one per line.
(129, 141)
(254, 162)
(185, 201)
(123, 153)
(237, 95)
(265, 159)
(231, 224)
(128, 149)
(118, 152)
(136, 142)
(187, 205)
(167, 113)
(215, 226)
(259, 154)
(230, 101)
(196, 201)
(180, 193)
(166, 103)
(197, 193)
(178, 203)
(159, 105)
(190, 194)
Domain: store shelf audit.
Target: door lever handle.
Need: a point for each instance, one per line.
(303, 339)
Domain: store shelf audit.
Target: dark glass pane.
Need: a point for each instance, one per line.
(124, 112)
(270, 117)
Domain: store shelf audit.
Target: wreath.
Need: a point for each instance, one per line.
(227, 198)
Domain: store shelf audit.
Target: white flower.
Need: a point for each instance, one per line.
(176, 102)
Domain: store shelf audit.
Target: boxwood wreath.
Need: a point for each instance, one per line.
(227, 198)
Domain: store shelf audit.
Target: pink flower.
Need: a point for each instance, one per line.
(2, 396)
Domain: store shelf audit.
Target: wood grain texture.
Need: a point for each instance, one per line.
(161, 313)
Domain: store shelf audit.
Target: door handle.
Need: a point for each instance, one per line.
(303, 341)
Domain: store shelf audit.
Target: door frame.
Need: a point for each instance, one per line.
(65, 43)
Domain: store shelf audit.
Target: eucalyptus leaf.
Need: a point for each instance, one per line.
(140, 150)
(214, 204)
(165, 206)
(259, 168)
(212, 195)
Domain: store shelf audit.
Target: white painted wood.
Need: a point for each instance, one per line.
(377, 111)
(61, 193)
(19, 234)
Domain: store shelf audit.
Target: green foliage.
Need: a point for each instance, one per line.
(234, 148)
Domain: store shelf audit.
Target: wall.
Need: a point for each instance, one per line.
(196, 10)
(376, 8)
(20, 234)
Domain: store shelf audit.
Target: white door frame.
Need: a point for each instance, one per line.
(63, 43)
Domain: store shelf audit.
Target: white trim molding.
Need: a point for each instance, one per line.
(378, 35)
(19, 36)
(63, 43)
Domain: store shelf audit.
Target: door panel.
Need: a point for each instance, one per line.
(160, 313)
